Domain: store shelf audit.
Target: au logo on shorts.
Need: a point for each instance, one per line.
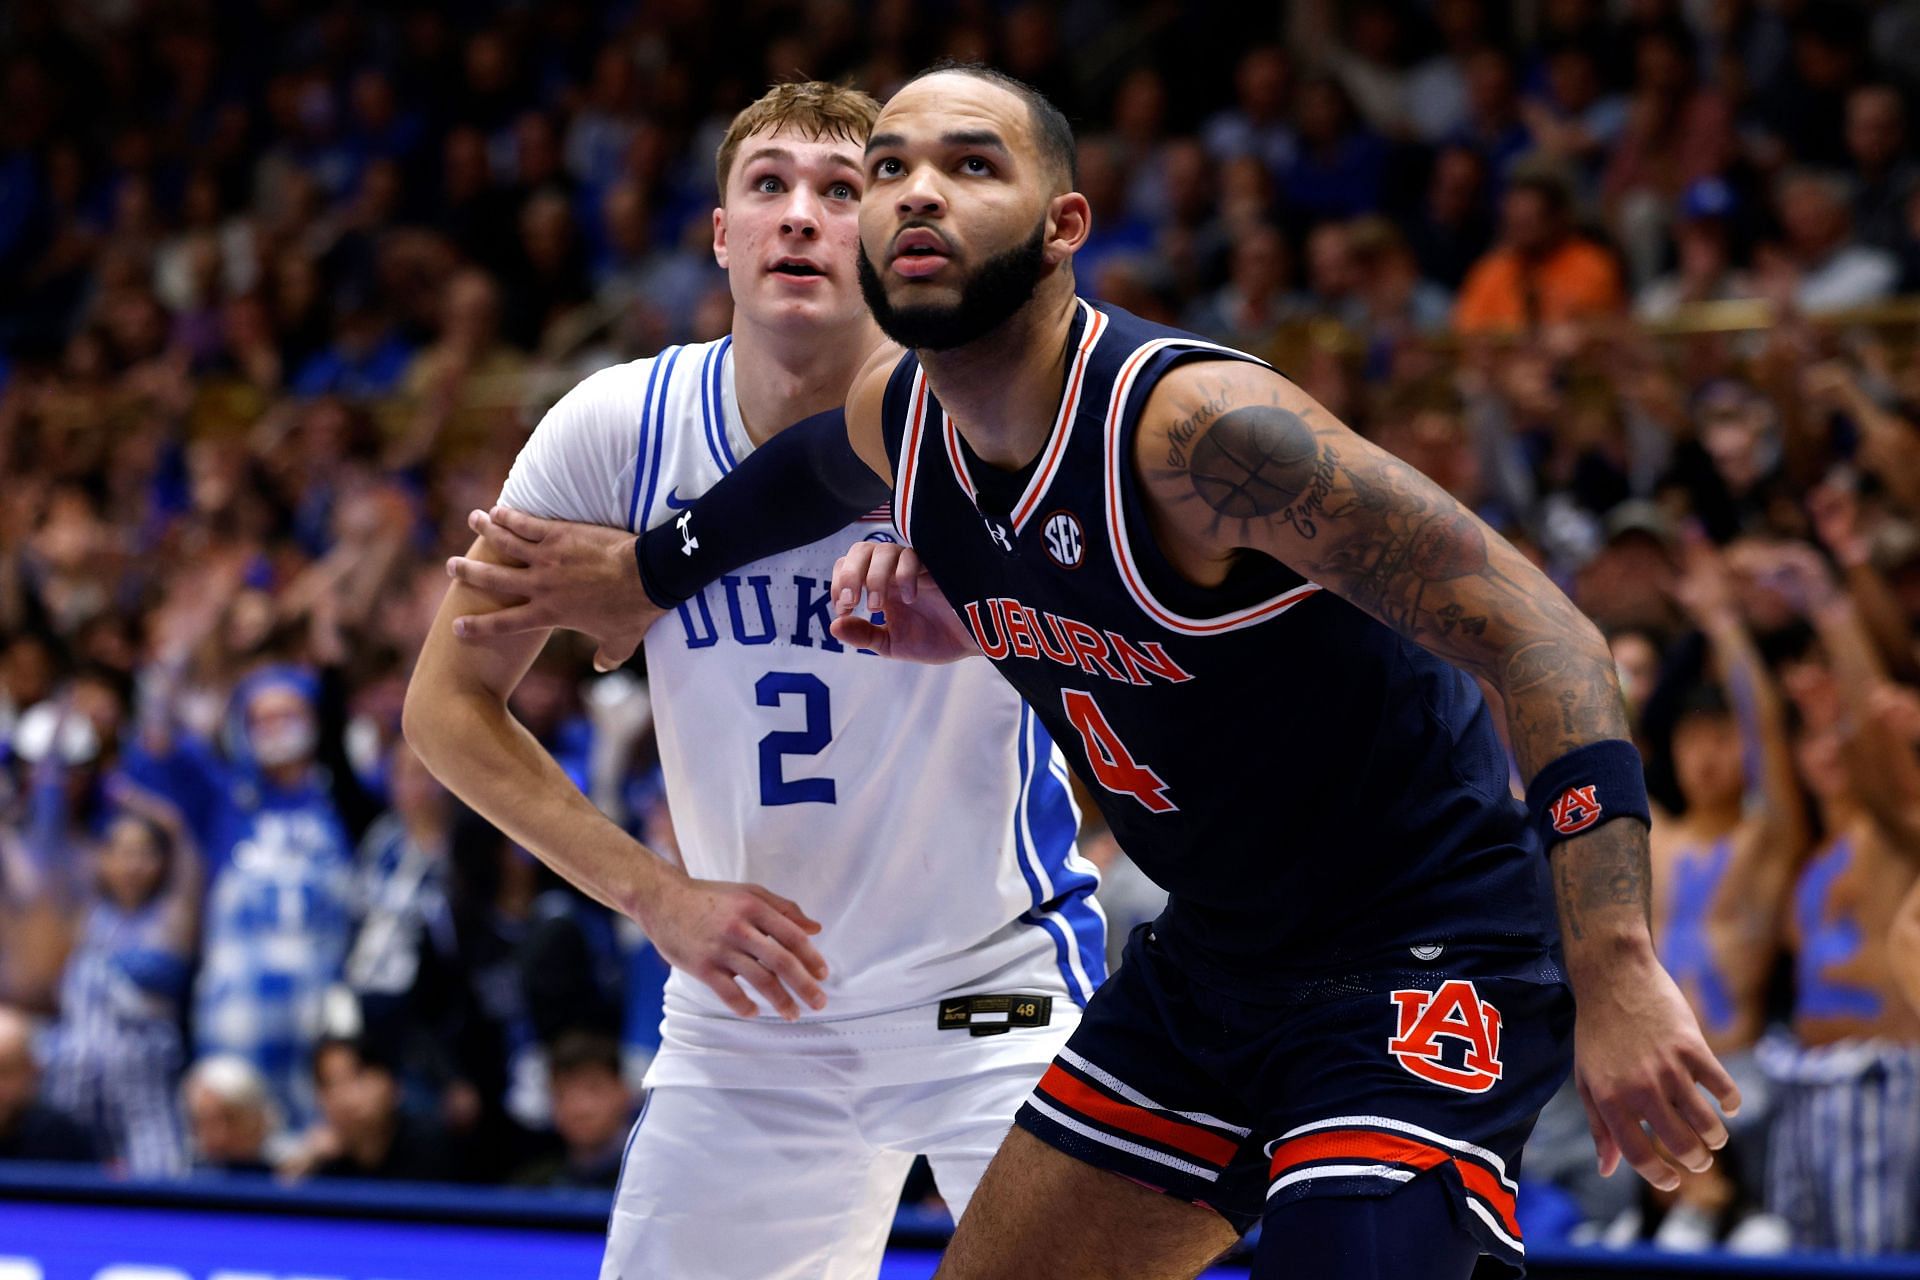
(1429, 1019)
(1576, 810)
(1065, 541)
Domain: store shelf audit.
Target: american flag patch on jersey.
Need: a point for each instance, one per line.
(882, 514)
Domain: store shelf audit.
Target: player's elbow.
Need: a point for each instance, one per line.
(420, 721)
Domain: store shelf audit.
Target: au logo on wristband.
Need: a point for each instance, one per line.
(1577, 809)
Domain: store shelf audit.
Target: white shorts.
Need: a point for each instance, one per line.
(795, 1183)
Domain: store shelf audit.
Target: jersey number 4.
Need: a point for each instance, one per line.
(1113, 765)
(771, 690)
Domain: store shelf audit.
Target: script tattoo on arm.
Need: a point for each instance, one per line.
(1265, 468)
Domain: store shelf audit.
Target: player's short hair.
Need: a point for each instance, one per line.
(1051, 129)
(813, 108)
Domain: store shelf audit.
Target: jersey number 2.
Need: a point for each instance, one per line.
(770, 691)
(1113, 765)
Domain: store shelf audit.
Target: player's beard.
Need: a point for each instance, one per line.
(991, 295)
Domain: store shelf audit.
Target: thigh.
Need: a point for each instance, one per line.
(1413, 1234)
(956, 1124)
(1041, 1212)
(720, 1184)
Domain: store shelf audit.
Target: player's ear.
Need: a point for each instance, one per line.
(720, 236)
(1069, 222)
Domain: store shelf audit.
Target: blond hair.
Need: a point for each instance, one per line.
(812, 108)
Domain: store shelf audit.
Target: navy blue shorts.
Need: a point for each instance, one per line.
(1348, 1086)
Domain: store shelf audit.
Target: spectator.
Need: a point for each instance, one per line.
(464, 387)
(1256, 300)
(1454, 227)
(592, 1113)
(1827, 267)
(117, 1050)
(29, 1128)
(1705, 269)
(1494, 126)
(1722, 869)
(1256, 125)
(1392, 299)
(1339, 167)
(232, 1124)
(1541, 272)
(1677, 132)
(1437, 88)
(280, 906)
(547, 274)
(1885, 175)
(1575, 121)
(1855, 1049)
(365, 1131)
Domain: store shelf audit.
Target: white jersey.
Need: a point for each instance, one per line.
(920, 813)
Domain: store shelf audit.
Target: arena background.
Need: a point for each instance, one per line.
(285, 284)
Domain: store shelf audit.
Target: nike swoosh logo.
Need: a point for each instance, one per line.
(673, 500)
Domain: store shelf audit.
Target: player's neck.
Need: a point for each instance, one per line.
(1003, 391)
(781, 376)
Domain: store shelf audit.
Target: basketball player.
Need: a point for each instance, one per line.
(1252, 631)
(919, 814)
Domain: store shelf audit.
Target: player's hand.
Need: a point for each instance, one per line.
(725, 934)
(557, 573)
(918, 624)
(1639, 1058)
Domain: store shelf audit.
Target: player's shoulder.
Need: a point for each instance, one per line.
(603, 396)
(1191, 395)
(634, 384)
(867, 428)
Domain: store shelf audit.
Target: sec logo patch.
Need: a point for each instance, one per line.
(1066, 544)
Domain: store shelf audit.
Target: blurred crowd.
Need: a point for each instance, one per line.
(284, 284)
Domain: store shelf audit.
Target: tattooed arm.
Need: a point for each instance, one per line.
(1233, 457)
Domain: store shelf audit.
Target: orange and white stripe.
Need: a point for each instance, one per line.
(1123, 556)
(1115, 1115)
(909, 469)
(1356, 1147)
(1096, 323)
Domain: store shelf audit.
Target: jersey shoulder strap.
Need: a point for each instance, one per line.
(894, 407)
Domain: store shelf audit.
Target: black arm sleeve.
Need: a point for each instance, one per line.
(796, 488)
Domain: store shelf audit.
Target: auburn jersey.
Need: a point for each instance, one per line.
(1310, 787)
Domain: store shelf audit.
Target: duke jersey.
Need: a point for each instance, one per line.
(1313, 790)
(920, 814)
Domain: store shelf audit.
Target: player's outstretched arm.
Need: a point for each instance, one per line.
(456, 719)
(1234, 456)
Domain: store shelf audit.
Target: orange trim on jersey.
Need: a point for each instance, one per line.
(1123, 551)
(1200, 1143)
(1063, 425)
(1386, 1148)
(910, 455)
(1056, 444)
(957, 459)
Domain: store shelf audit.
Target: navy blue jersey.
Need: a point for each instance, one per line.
(1311, 788)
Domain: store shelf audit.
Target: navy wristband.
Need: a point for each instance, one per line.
(1588, 786)
(801, 485)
